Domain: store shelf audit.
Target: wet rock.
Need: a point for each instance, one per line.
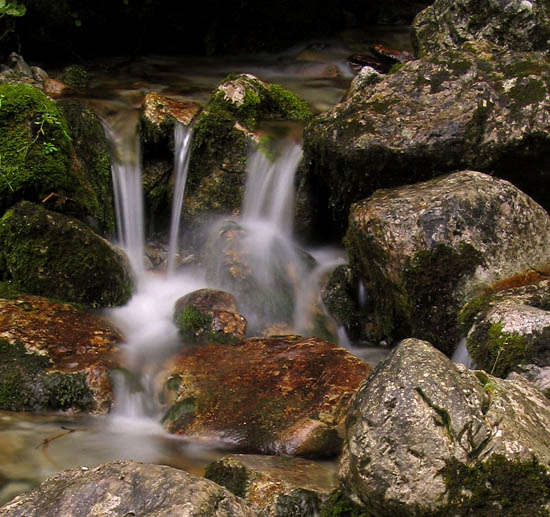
(50, 254)
(38, 156)
(125, 488)
(508, 328)
(426, 435)
(426, 249)
(481, 108)
(366, 76)
(54, 356)
(209, 316)
(275, 485)
(285, 395)
(94, 160)
(16, 70)
(514, 25)
(159, 116)
(221, 137)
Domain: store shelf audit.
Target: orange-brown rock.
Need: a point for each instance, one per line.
(74, 342)
(157, 108)
(285, 395)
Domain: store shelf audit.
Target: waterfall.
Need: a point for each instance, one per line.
(182, 143)
(128, 194)
(461, 355)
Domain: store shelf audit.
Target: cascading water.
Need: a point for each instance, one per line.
(128, 194)
(182, 141)
(461, 355)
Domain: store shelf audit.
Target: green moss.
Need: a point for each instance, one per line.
(529, 90)
(36, 153)
(496, 351)
(181, 411)
(52, 255)
(429, 285)
(234, 477)
(471, 311)
(26, 385)
(497, 486)
(91, 147)
(192, 322)
(395, 68)
(8, 290)
(75, 76)
(339, 505)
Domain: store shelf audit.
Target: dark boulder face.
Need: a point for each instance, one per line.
(424, 250)
(480, 108)
(427, 437)
(125, 488)
(513, 24)
(50, 254)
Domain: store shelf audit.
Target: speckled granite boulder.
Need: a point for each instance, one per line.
(424, 250)
(125, 488)
(480, 108)
(427, 437)
(512, 24)
(280, 395)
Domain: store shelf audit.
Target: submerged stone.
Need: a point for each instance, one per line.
(285, 395)
(49, 254)
(275, 485)
(424, 250)
(127, 488)
(54, 356)
(481, 108)
(427, 437)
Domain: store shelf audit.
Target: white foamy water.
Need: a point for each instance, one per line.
(461, 355)
(128, 194)
(182, 142)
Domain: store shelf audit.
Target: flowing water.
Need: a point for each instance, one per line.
(36, 446)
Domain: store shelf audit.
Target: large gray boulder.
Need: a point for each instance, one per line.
(426, 435)
(512, 24)
(480, 108)
(125, 488)
(424, 250)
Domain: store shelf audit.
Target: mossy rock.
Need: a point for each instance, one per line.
(37, 154)
(90, 144)
(27, 385)
(222, 134)
(53, 255)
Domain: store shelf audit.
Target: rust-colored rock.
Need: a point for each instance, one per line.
(156, 108)
(74, 341)
(285, 395)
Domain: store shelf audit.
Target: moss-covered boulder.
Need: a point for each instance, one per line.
(424, 250)
(221, 137)
(427, 437)
(209, 316)
(509, 327)
(480, 108)
(275, 485)
(54, 357)
(514, 25)
(94, 161)
(285, 395)
(127, 488)
(37, 154)
(50, 254)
